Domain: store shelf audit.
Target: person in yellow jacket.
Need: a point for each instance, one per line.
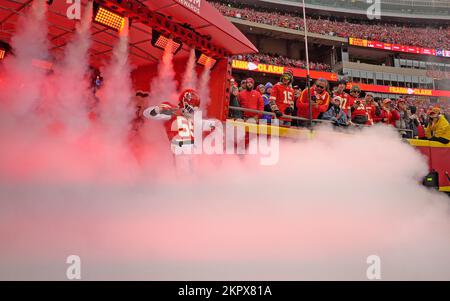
(438, 128)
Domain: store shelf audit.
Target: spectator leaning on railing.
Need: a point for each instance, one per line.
(320, 99)
(378, 116)
(373, 110)
(359, 113)
(282, 98)
(261, 89)
(438, 128)
(339, 90)
(266, 98)
(404, 122)
(415, 125)
(251, 99)
(395, 115)
(243, 85)
(355, 92)
(335, 114)
(234, 93)
(389, 114)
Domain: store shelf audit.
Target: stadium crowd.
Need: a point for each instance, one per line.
(412, 117)
(275, 59)
(428, 37)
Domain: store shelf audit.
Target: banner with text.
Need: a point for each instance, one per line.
(400, 90)
(398, 47)
(193, 5)
(272, 69)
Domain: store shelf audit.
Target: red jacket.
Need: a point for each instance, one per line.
(395, 116)
(347, 106)
(363, 110)
(321, 106)
(281, 98)
(373, 115)
(251, 100)
(360, 110)
(344, 103)
(390, 117)
(421, 131)
(371, 109)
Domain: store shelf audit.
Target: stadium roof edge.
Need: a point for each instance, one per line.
(207, 21)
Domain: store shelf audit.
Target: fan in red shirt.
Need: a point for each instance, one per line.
(389, 114)
(251, 99)
(395, 115)
(340, 91)
(371, 107)
(355, 91)
(386, 114)
(282, 98)
(320, 99)
(359, 112)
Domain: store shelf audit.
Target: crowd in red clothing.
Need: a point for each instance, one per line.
(274, 59)
(389, 33)
(409, 114)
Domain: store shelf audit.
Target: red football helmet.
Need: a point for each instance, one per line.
(189, 100)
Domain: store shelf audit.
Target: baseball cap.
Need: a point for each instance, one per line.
(434, 110)
(386, 101)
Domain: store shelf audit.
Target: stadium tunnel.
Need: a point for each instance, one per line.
(194, 24)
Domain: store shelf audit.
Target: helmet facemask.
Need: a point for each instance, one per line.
(187, 108)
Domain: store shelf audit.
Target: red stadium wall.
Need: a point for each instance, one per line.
(438, 156)
(219, 92)
(440, 161)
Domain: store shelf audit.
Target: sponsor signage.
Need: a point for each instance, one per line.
(272, 69)
(398, 48)
(400, 90)
(193, 5)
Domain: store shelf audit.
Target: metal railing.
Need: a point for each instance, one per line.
(411, 132)
(273, 114)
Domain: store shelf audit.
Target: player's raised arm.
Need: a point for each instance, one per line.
(161, 112)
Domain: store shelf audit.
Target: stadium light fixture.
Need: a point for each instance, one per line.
(108, 18)
(5, 49)
(160, 41)
(204, 60)
(137, 11)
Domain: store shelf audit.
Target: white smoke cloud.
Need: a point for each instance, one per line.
(190, 75)
(71, 79)
(163, 87)
(124, 208)
(116, 112)
(23, 80)
(329, 204)
(204, 91)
